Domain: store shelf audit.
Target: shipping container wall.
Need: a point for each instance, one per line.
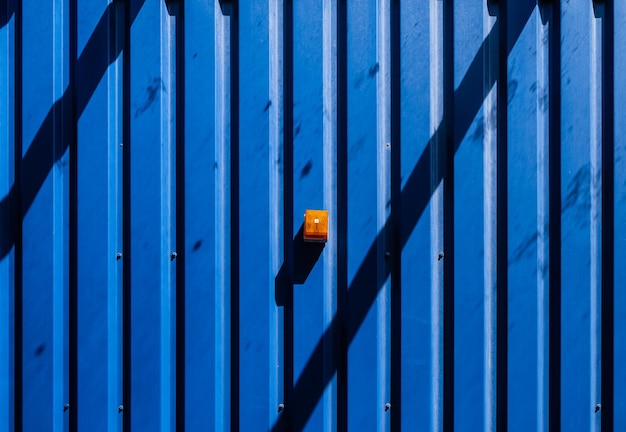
(156, 161)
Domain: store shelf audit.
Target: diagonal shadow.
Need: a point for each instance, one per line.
(468, 97)
(101, 50)
(7, 10)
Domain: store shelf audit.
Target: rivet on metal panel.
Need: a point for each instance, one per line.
(388, 145)
(387, 254)
(121, 144)
(120, 409)
(387, 406)
(440, 256)
(173, 256)
(281, 407)
(66, 407)
(598, 407)
(118, 256)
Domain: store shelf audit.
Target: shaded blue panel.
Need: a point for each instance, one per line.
(46, 135)
(619, 380)
(201, 167)
(422, 231)
(256, 301)
(308, 160)
(7, 181)
(579, 201)
(528, 223)
(99, 171)
(362, 71)
(474, 164)
(152, 217)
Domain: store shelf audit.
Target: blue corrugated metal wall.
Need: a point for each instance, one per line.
(156, 158)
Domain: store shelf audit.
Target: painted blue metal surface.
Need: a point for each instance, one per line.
(156, 160)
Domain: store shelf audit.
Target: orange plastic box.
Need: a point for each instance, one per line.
(316, 225)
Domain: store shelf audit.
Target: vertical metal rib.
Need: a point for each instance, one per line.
(330, 146)
(222, 377)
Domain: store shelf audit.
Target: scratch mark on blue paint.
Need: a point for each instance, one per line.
(306, 169)
(373, 70)
(40, 349)
(577, 199)
(511, 88)
(524, 249)
(152, 92)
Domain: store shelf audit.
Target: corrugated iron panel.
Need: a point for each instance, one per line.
(156, 160)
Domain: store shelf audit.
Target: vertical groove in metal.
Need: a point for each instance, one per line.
(615, 146)
(278, 135)
(223, 133)
(596, 25)
(395, 219)
(287, 285)
(340, 321)
(15, 218)
(180, 282)
(543, 235)
(554, 215)
(500, 388)
(72, 143)
(330, 181)
(125, 228)
(235, 288)
(449, 147)
(607, 331)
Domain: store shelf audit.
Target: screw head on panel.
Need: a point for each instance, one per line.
(118, 256)
(281, 407)
(120, 409)
(66, 407)
(173, 256)
(387, 406)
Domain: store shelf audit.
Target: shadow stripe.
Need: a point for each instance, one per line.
(414, 197)
(90, 68)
